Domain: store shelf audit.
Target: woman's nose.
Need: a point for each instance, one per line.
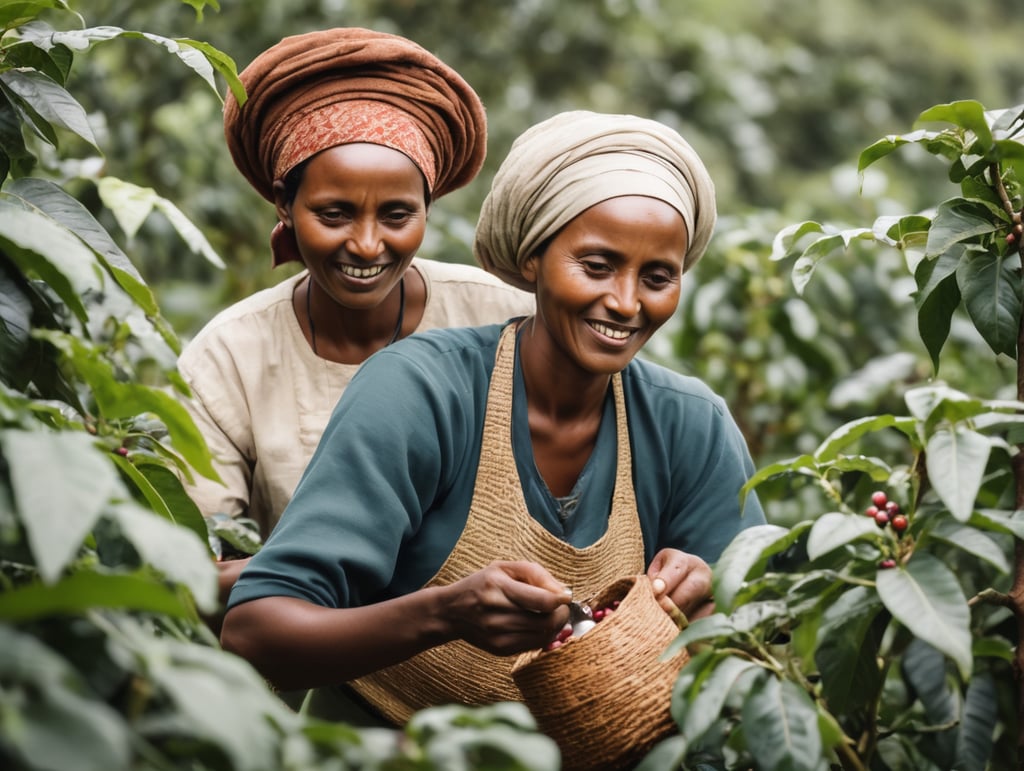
(364, 240)
(624, 299)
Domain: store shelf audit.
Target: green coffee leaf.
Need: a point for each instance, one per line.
(927, 599)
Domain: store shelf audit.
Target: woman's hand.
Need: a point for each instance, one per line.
(684, 580)
(508, 607)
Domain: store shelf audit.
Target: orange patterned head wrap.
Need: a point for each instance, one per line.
(339, 86)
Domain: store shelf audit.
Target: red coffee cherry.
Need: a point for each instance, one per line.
(879, 498)
(899, 523)
(871, 511)
(886, 564)
(892, 508)
(882, 519)
(122, 451)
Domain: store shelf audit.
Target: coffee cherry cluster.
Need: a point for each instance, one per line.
(886, 512)
(1013, 238)
(567, 632)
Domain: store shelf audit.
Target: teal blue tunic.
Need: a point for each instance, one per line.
(385, 496)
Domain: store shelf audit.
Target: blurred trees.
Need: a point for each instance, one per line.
(778, 96)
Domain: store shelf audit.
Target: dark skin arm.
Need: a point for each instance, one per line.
(506, 608)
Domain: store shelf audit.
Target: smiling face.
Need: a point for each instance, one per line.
(607, 281)
(359, 215)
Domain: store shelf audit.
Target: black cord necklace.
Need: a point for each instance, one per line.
(398, 325)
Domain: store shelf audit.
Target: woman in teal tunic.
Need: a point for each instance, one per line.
(470, 481)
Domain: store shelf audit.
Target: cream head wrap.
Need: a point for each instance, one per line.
(564, 165)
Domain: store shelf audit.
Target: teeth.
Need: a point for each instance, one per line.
(349, 270)
(614, 334)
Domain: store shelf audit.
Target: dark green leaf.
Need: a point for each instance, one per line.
(81, 592)
(49, 101)
(926, 598)
(980, 719)
(55, 63)
(955, 221)
(990, 286)
(70, 213)
(847, 650)
(937, 298)
(42, 248)
(925, 669)
(781, 725)
(15, 322)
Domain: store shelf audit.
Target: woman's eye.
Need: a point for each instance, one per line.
(596, 266)
(397, 217)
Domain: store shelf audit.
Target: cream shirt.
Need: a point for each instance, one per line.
(262, 398)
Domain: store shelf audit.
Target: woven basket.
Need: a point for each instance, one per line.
(604, 697)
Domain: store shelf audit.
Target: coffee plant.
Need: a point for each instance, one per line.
(868, 638)
(106, 566)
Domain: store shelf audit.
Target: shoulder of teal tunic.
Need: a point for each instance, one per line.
(386, 494)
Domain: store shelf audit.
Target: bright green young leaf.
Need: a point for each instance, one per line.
(799, 464)
(847, 650)
(851, 432)
(972, 541)
(748, 548)
(81, 592)
(59, 724)
(991, 290)
(61, 485)
(979, 723)
(131, 205)
(888, 144)
(956, 460)
(955, 221)
(224, 64)
(835, 529)
(904, 233)
(14, 13)
(781, 726)
(926, 598)
(49, 101)
(712, 627)
(174, 551)
(786, 240)
(938, 403)
(821, 248)
(967, 114)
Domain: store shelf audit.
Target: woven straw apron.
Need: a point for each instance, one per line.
(499, 527)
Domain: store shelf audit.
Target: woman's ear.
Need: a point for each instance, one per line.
(282, 204)
(529, 268)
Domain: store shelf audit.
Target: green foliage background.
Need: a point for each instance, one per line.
(779, 97)
(104, 660)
